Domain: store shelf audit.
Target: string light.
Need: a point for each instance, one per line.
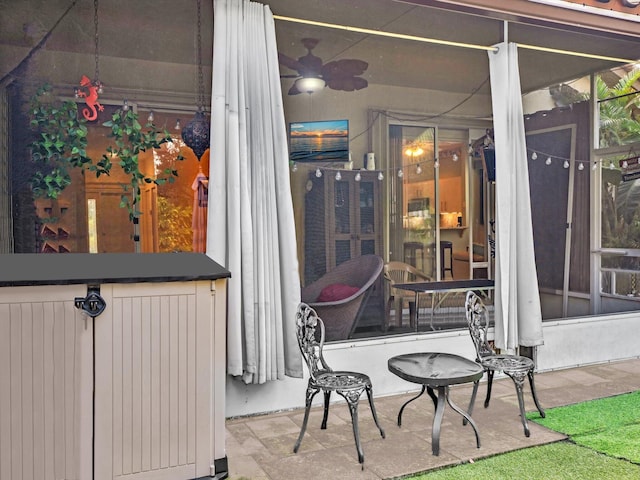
(566, 163)
(178, 126)
(125, 106)
(150, 118)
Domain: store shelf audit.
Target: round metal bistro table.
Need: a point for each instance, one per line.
(438, 371)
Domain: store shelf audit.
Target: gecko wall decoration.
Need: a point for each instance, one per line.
(91, 98)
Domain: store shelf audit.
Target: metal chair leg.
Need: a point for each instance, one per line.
(311, 392)
(489, 385)
(518, 380)
(327, 397)
(373, 409)
(534, 394)
(352, 398)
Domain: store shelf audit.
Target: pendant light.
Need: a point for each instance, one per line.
(196, 133)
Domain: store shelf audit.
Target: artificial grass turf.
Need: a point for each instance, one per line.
(555, 461)
(606, 433)
(609, 425)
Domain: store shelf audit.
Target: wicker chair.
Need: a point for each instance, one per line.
(350, 385)
(399, 272)
(341, 316)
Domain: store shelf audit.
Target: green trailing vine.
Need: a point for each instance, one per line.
(130, 140)
(61, 145)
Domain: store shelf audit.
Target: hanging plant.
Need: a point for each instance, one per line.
(61, 145)
(130, 141)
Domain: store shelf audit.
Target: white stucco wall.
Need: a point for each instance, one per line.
(568, 343)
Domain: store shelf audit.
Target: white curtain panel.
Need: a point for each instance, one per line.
(518, 318)
(251, 228)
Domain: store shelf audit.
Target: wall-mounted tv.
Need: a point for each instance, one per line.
(322, 141)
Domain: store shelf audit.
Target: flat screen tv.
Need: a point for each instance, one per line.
(322, 141)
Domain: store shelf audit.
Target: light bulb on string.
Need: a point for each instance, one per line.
(400, 173)
(534, 156)
(178, 126)
(358, 177)
(595, 166)
(294, 167)
(436, 164)
(566, 164)
(338, 176)
(548, 161)
(125, 106)
(455, 157)
(150, 118)
(418, 169)
(470, 150)
(380, 176)
(318, 173)
(625, 164)
(611, 166)
(581, 166)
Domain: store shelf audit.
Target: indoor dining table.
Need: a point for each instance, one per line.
(446, 288)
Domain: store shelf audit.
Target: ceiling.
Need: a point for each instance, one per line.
(159, 36)
(411, 63)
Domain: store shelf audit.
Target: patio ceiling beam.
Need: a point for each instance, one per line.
(403, 36)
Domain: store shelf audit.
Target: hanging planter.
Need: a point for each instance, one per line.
(60, 145)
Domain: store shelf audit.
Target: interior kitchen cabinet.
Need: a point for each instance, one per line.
(343, 219)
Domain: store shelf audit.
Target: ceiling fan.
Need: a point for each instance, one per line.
(313, 75)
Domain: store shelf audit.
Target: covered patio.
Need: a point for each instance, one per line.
(261, 447)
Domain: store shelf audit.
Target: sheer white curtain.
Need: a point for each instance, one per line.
(251, 227)
(518, 318)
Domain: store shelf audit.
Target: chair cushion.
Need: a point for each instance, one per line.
(336, 292)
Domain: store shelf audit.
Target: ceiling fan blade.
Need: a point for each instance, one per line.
(344, 68)
(347, 84)
(293, 90)
(289, 62)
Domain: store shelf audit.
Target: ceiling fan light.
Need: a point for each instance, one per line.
(310, 84)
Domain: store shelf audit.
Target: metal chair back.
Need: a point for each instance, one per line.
(310, 334)
(478, 322)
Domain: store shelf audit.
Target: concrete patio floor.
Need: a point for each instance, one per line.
(261, 447)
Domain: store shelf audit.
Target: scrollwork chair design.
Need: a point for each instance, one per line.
(350, 385)
(516, 367)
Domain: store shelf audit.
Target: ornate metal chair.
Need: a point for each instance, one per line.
(350, 385)
(515, 367)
